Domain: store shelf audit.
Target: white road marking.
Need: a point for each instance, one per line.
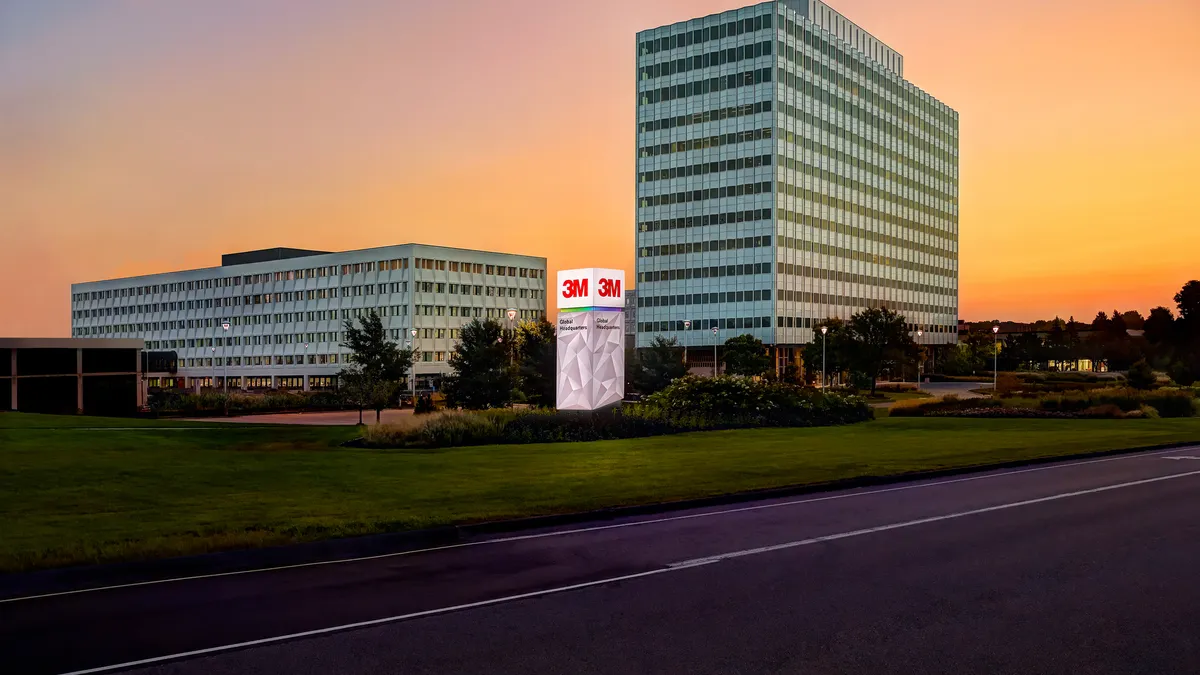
(921, 521)
(674, 567)
(599, 528)
(1183, 457)
(364, 624)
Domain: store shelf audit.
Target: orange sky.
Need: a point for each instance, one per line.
(140, 136)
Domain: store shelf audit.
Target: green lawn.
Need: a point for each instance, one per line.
(70, 496)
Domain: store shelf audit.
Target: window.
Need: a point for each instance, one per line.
(491, 269)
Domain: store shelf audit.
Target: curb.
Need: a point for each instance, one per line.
(332, 550)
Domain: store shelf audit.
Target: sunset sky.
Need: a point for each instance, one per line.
(143, 136)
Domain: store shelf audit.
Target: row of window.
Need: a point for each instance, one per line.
(866, 234)
(710, 272)
(828, 175)
(704, 298)
(710, 85)
(705, 194)
(842, 106)
(705, 142)
(248, 361)
(731, 112)
(704, 246)
(719, 57)
(855, 278)
(852, 209)
(311, 273)
(683, 222)
(717, 32)
(863, 256)
(871, 71)
(705, 324)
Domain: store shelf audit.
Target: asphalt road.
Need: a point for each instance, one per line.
(1082, 567)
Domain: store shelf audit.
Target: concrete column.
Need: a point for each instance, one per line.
(141, 382)
(14, 377)
(274, 381)
(79, 381)
(306, 383)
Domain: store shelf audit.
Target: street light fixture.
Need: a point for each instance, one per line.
(413, 374)
(714, 332)
(921, 360)
(687, 325)
(824, 339)
(995, 358)
(225, 359)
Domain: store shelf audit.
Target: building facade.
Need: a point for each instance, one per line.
(787, 173)
(274, 318)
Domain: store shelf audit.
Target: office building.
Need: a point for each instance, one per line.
(786, 173)
(274, 318)
(69, 376)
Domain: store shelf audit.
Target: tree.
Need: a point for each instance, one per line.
(1133, 320)
(1188, 301)
(657, 365)
(537, 362)
(1025, 350)
(1184, 374)
(481, 372)
(876, 336)
(746, 355)
(1141, 375)
(376, 365)
(1160, 326)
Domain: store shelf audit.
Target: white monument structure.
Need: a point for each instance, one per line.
(591, 338)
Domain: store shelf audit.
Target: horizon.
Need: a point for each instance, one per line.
(146, 138)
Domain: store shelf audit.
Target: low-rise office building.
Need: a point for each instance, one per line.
(274, 318)
(69, 376)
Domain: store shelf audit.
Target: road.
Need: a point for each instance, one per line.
(1080, 567)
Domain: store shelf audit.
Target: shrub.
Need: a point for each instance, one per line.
(1142, 376)
(1007, 383)
(688, 404)
(1168, 403)
(1150, 412)
(1104, 411)
(941, 407)
(1182, 374)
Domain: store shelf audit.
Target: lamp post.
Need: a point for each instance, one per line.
(687, 325)
(921, 360)
(824, 339)
(214, 365)
(413, 375)
(714, 332)
(995, 358)
(225, 359)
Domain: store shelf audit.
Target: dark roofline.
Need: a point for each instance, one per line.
(266, 255)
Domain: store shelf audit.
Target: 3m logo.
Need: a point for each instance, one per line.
(609, 288)
(575, 288)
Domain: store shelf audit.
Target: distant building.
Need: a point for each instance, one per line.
(274, 318)
(787, 173)
(68, 376)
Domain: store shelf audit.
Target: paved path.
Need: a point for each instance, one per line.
(1079, 567)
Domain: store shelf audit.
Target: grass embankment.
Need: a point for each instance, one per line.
(75, 495)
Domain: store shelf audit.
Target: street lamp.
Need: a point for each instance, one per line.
(995, 358)
(824, 339)
(920, 360)
(714, 332)
(413, 374)
(687, 325)
(225, 359)
(214, 365)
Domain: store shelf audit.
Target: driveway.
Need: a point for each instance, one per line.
(331, 418)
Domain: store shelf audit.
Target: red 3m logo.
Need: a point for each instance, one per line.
(575, 288)
(609, 288)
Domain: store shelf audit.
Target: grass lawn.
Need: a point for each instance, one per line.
(75, 495)
(894, 396)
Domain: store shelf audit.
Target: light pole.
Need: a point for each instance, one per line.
(225, 359)
(920, 359)
(512, 328)
(824, 339)
(413, 374)
(214, 365)
(687, 325)
(714, 331)
(995, 358)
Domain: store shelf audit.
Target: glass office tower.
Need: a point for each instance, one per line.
(786, 173)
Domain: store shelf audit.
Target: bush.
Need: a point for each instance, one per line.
(688, 404)
(1142, 376)
(941, 407)
(1182, 374)
(1007, 383)
(1168, 403)
(214, 403)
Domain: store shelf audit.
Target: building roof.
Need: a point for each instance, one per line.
(265, 255)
